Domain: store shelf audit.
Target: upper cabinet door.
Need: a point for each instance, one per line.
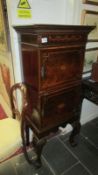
(60, 67)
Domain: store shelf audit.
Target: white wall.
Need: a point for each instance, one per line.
(47, 12)
(43, 11)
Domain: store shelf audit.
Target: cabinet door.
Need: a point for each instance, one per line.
(61, 67)
(60, 107)
(50, 110)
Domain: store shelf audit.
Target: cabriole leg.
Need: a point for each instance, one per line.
(37, 145)
(74, 137)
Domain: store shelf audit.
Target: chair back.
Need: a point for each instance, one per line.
(21, 87)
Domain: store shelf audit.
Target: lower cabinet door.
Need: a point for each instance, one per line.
(59, 107)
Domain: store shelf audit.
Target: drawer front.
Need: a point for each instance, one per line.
(60, 67)
(49, 38)
(59, 107)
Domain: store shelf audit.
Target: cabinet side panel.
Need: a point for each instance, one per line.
(30, 63)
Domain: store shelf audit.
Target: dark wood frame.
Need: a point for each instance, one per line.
(90, 2)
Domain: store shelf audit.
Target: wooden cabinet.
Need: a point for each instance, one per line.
(52, 60)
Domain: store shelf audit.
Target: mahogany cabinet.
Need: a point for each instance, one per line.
(52, 61)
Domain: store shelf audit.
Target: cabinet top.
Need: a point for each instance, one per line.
(52, 35)
(40, 28)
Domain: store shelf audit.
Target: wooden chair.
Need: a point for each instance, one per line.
(15, 131)
(10, 128)
(26, 124)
